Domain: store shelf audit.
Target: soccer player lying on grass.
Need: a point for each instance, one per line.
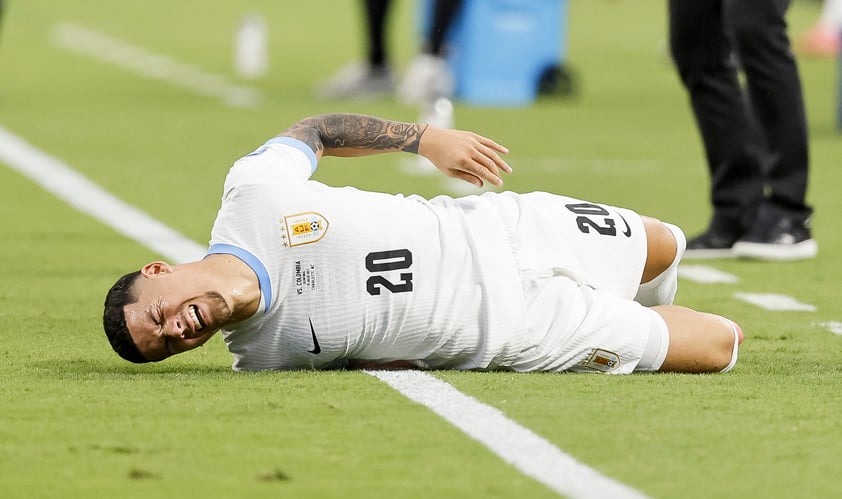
(300, 275)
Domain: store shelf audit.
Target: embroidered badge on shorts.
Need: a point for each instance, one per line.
(303, 228)
(602, 360)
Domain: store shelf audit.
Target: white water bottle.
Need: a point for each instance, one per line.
(438, 113)
(251, 52)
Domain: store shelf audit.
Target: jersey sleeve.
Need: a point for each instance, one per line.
(281, 160)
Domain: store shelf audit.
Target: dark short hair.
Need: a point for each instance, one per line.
(114, 318)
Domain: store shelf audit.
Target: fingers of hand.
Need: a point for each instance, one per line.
(478, 159)
(494, 145)
(492, 154)
(487, 169)
(467, 177)
(489, 165)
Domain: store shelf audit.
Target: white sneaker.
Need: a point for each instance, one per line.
(357, 80)
(427, 78)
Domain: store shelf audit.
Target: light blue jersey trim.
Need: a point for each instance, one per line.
(301, 146)
(253, 262)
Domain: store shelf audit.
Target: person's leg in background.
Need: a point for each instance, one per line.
(444, 12)
(428, 76)
(781, 230)
(702, 53)
(376, 15)
(373, 77)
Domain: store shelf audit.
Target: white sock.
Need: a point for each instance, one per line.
(736, 346)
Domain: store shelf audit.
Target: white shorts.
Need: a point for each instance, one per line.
(593, 244)
(578, 328)
(580, 265)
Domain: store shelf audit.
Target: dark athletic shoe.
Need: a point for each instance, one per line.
(783, 239)
(711, 244)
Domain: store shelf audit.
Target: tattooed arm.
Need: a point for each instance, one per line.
(465, 155)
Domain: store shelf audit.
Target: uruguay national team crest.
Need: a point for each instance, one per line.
(602, 360)
(303, 228)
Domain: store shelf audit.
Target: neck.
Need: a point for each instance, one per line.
(238, 283)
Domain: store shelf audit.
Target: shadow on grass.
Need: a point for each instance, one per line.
(74, 368)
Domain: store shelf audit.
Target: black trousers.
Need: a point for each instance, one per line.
(376, 12)
(755, 137)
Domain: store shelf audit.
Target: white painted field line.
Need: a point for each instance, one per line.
(771, 301)
(533, 455)
(486, 424)
(705, 275)
(151, 65)
(834, 327)
(75, 189)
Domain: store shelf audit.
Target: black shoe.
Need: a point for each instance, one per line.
(781, 238)
(712, 243)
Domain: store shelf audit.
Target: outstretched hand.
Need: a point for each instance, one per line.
(464, 155)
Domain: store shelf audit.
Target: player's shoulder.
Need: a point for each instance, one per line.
(279, 160)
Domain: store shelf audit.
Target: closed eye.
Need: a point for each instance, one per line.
(158, 315)
(158, 320)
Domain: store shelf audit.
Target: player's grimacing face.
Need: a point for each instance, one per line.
(173, 314)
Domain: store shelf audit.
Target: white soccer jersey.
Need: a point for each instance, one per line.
(349, 274)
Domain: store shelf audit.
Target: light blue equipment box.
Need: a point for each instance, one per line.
(500, 51)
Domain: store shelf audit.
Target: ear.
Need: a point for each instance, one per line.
(155, 268)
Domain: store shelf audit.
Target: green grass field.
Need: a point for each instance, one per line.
(76, 421)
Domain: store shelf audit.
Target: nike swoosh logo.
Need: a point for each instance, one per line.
(626, 232)
(316, 348)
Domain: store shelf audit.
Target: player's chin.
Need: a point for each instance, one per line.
(199, 340)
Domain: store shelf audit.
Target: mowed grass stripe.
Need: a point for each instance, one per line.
(528, 452)
(156, 66)
(56, 177)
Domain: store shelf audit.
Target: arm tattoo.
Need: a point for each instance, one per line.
(357, 131)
